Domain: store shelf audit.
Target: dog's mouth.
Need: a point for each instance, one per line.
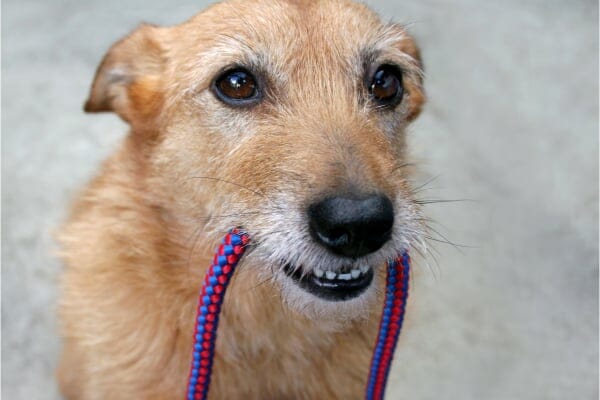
(346, 284)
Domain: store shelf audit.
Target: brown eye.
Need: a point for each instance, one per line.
(236, 87)
(386, 85)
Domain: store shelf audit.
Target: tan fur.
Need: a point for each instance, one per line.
(140, 236)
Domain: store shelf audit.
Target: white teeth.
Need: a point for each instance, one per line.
(331, 275)
(345, 277)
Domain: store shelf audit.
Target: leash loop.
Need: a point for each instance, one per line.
(211, 298)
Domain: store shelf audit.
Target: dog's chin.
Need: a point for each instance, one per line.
(338, 297)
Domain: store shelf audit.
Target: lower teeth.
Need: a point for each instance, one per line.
(330, 275)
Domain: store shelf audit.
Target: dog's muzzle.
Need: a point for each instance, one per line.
(350, 227)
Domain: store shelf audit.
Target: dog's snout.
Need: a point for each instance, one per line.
(352, 227)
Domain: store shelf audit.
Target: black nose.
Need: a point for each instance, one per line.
(352, 227)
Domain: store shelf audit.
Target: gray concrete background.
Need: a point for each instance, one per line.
(512, 124)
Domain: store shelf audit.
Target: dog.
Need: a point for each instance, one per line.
(285, 118)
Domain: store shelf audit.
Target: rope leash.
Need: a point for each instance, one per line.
(396, 292)
(217, 279)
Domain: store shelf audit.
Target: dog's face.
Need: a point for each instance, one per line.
(287, 119)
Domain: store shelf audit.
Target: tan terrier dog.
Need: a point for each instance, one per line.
(286, 118)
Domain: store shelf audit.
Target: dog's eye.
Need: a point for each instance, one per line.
(236, 86)
(386, 85)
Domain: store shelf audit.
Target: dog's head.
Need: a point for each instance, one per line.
(286, 118)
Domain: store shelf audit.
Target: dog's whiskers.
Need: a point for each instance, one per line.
(437, 201)
(402, 166)
(424, 185)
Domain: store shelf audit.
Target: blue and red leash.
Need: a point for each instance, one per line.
(211, 298)
(392, 316)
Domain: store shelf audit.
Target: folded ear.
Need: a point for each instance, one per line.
(414, 85)
(129, 79)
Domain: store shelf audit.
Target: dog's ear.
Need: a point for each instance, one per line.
(129, 79)
(414, 86)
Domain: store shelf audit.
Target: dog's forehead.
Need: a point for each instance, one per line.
(271, 20)
(283, 35)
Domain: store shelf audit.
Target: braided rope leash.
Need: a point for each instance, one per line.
(211, 298)
(396, 293)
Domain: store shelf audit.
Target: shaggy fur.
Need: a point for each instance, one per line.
(140, 237)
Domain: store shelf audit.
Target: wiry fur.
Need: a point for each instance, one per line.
(140, 236)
